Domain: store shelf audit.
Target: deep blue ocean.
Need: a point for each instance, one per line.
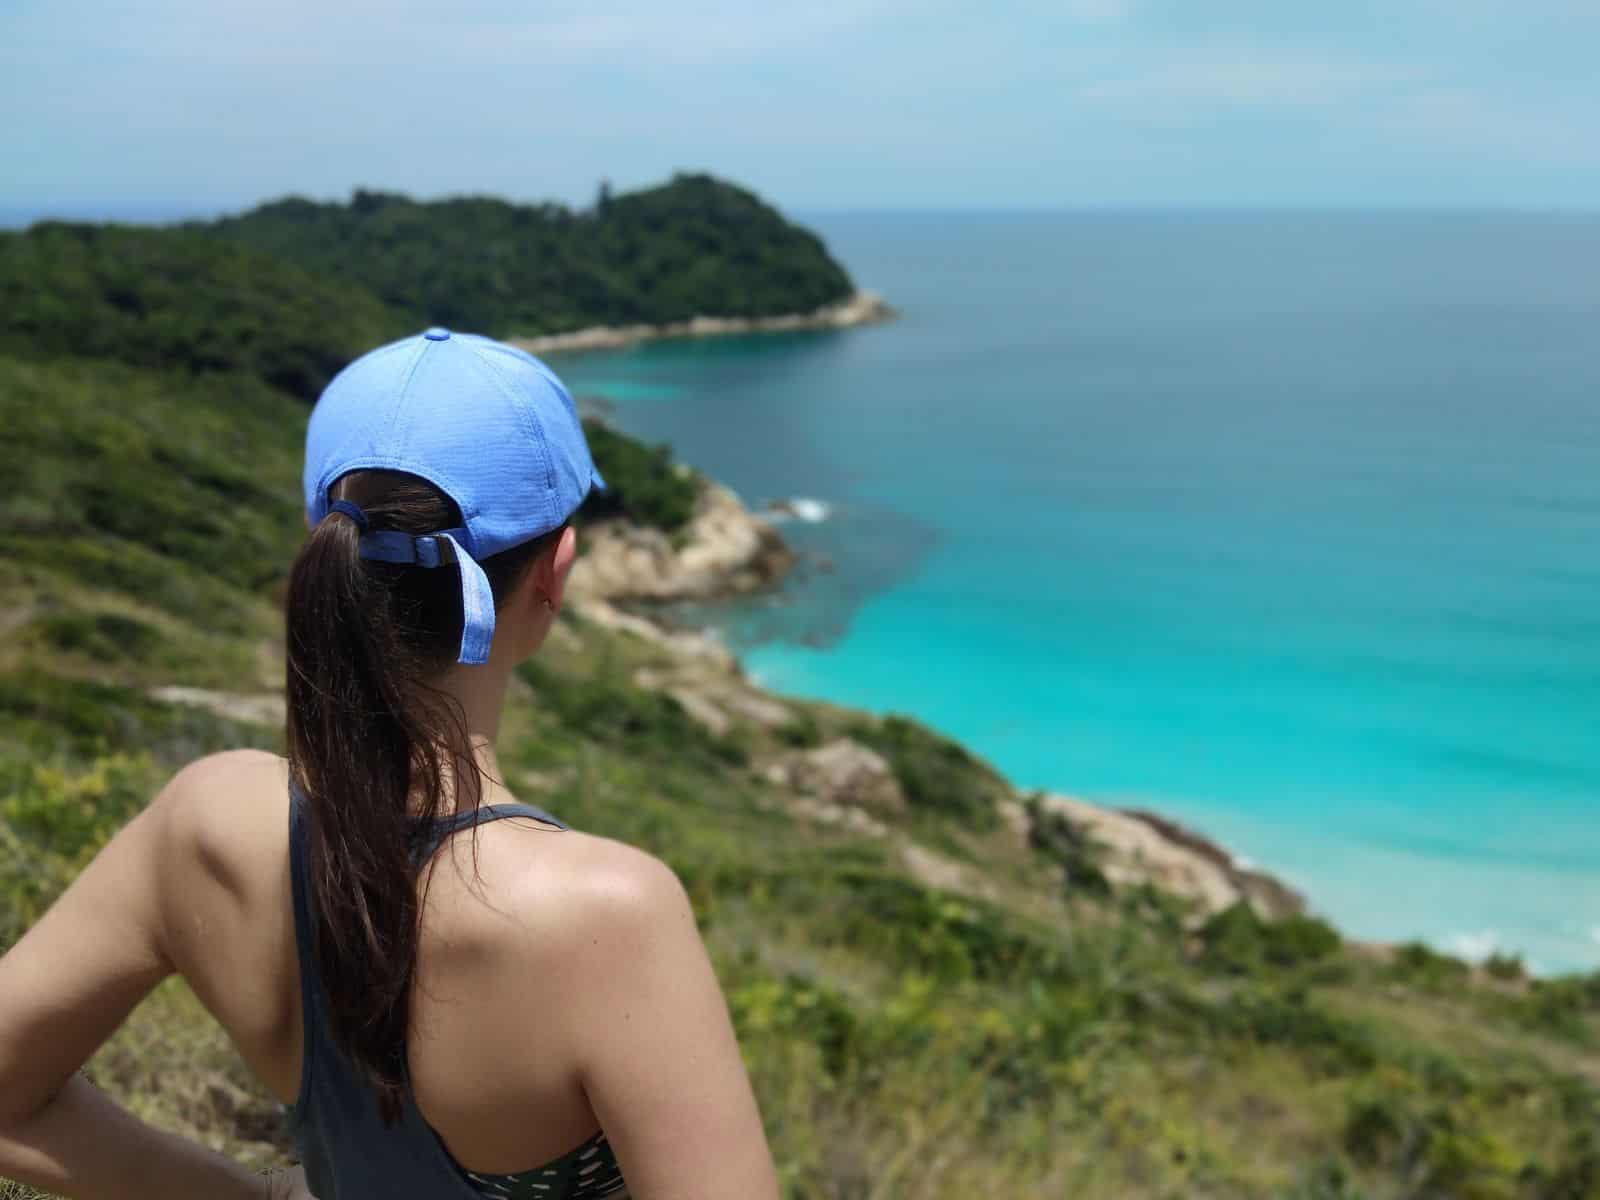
(1286, 525)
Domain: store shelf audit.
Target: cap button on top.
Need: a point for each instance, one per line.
(436, 334)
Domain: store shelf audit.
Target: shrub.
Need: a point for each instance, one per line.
(1563, 1006)
(648, 723)
(1419, 963)
(1379, 1129)
(947, 937)
(1333, 1044)
(795, 1007)
(52, 819)
(936, 774)
(1062, 842)
(1239, 941)
(642, 482)
(802, 732)
(1506, 967)
(105, 637)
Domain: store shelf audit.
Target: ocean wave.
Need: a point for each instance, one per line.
(1474, 947)
(800, 508)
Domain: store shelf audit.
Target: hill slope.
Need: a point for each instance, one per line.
(935, 999)
(180, 298)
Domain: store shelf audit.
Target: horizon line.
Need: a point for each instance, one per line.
(19, 216)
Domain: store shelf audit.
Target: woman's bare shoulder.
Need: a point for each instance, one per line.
(574, 881)
(226, 780)
(532, 902)
(223, 811)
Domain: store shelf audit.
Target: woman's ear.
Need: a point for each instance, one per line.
(551, 569)
(566, 554)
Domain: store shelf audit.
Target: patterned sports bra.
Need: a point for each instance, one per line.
(590, 1170)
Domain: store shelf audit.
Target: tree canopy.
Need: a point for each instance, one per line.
(694, 246)
(293, 289)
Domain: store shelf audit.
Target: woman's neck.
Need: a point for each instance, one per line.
(481, 692)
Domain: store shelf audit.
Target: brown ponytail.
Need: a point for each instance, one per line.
(373, 746)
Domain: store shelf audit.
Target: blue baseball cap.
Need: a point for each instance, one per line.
(487, 424)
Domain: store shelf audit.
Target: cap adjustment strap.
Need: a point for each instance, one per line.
(477, 599)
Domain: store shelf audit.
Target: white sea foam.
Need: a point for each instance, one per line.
(1474, 947)
(801, 508)
(810, 510)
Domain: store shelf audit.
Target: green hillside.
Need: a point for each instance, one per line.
(180, 298)
(979, 1028)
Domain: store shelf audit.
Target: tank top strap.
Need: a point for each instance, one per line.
(305, 936)
(481, 815)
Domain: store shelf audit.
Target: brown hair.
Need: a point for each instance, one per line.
(373, 745)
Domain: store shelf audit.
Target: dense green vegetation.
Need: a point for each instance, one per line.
(180, 298)
(292, 290)
(1016, 1037)
(693, 246)
(643, 484)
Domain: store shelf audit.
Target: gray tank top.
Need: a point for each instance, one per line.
(347, 1151)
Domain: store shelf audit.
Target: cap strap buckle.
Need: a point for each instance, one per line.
(477, 599)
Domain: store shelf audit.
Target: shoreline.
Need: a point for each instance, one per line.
(1144, 843)
(861, 308)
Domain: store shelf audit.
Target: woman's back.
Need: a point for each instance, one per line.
(526, 999)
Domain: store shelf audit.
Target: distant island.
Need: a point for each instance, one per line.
(294, 288)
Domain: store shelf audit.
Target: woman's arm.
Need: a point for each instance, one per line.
(83, 1144)
(64, 988)
(659, 1059)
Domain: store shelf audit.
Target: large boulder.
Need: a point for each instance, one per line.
(842, 772)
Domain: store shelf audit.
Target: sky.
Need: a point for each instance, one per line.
(197, 105)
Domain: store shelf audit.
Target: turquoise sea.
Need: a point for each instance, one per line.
(1286, 525)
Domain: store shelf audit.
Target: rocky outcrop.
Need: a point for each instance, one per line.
(724, 550)
(861, 308)
(1270, 897)
(1135, 848)
(687, 645)
(842, 772)
(261, 708)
